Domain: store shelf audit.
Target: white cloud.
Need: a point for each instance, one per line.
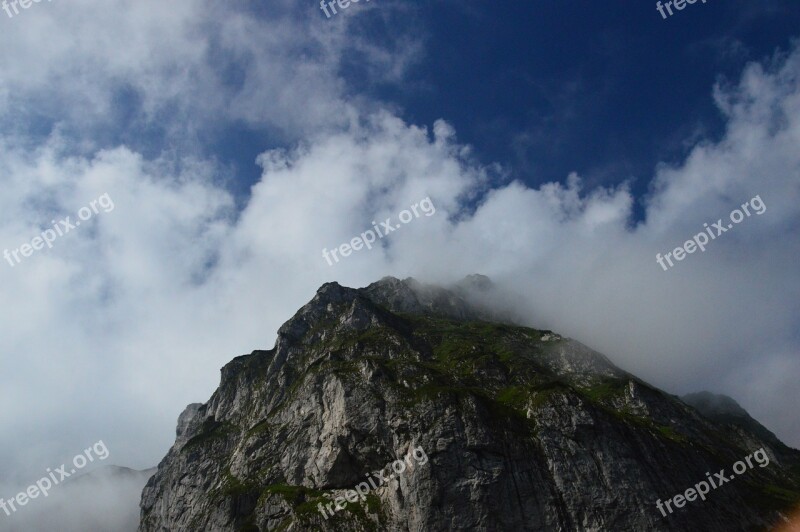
(185, 67)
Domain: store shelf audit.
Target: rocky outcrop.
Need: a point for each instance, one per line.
(522, 429)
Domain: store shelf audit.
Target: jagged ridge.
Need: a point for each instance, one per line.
(525, 430)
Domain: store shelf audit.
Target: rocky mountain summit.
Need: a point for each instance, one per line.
(521, 429)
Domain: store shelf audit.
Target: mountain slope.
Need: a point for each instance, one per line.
(522, 430)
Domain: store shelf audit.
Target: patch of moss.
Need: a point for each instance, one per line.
(543, 392)
(771, 497)
(258, 428)
(344, 368)
(790, 497)
(430, 391)
(513, 396)
(378, 335)
(604, 390)
(295, 496)
(638, 422)
(500, 411)
(670, 433)
(634, 420)
(310, 507)
(358, 512)
(305, 506)
(372, 337)
(373, 503)
(233, 487)
(210, 431)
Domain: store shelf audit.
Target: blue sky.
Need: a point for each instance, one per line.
(607, 89)
(564, 145)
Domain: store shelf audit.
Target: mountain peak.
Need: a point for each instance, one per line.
(413, 297)
(358, 377)
(711, 404)
(723, 409)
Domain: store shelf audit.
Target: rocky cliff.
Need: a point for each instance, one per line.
(520, 429)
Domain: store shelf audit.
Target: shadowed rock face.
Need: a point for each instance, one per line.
(524, 430)
(724, 410)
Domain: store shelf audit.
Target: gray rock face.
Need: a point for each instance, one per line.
(522, 429)
(188, 421)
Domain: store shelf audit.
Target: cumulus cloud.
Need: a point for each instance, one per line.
(94, 68)
(127, 319)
